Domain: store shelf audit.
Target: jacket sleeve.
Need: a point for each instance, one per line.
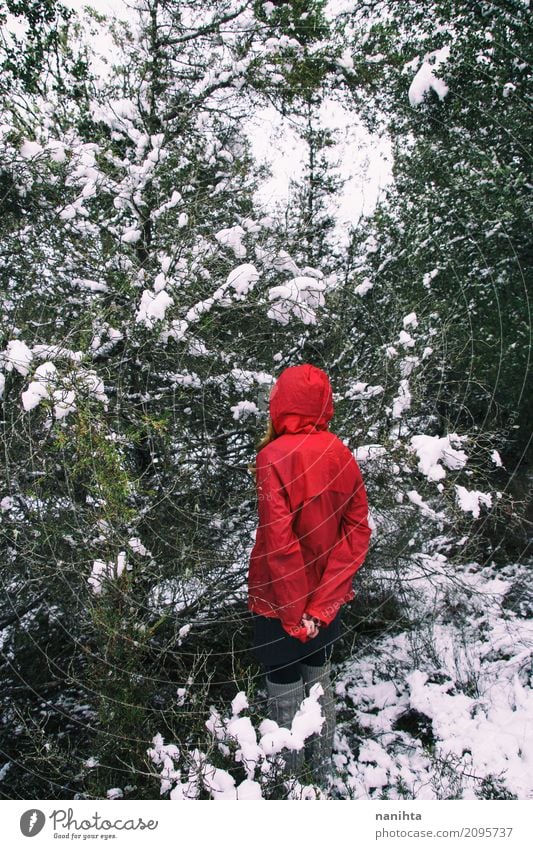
(282, 552)
(345, 558)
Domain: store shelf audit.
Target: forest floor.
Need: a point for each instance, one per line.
(446, 711)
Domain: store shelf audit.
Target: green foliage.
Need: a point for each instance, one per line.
(493, 787)
(96, 464)
(460, 205)
(43, 49)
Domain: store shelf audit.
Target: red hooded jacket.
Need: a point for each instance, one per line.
(313, 531)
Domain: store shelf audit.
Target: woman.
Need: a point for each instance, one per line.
(312, 537)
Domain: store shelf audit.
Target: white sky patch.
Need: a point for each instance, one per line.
(363, 160)
(116, 8)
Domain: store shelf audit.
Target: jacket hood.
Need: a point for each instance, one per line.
(301, 400)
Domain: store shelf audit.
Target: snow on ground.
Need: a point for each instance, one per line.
(445, 711)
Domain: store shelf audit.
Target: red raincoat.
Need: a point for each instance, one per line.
(313, 531)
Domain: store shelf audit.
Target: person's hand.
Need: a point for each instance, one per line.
(310, 626)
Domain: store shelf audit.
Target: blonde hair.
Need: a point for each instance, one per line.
(267, 437)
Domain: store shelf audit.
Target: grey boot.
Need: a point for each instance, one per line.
(283, 702)
(319, 749)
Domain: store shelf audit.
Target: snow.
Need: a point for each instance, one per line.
(182, 633)
(298, 298)
(244, 409)
(102, 570)
(241, 729)
(426, 510)
(115, 793)
(407, 365)
(402, 402)
(425, 80)
(152, 307)
(371, 245)
(405, 339)
(248, 790)
(284, 262)
(470, 500)
(432, 451)
(239, 703)
(131, 236)
(493, 733)
(68, 213)
(345, 60)
(30, 149)
(49, 351)
(359, 390)
(64, 402)
(495, 457)
(253, 755)
(479, 711)
(410, 320)
(5, 769)
(428, 277)
(136, 545)
(45, 377)
(364, 454)
(232, 238)
(94, 383)
(57, 150)
(243, 279)
(17, 356)
(178, 329)
(364, 287)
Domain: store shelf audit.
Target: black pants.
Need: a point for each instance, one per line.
(290, 672)
(274, 648)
